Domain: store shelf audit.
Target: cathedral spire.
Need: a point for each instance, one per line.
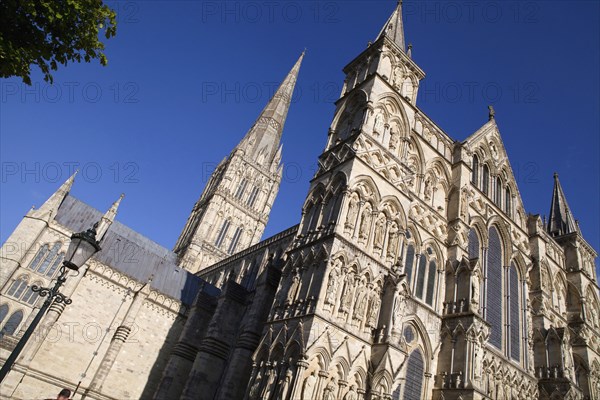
(561, 221)
(262, 140)
(48, 210)
(108, 218)
(394, 28)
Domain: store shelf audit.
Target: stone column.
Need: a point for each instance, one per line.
(239, 368)
(119, 338)
(323, 375)
(341, 385)
(184, 352)
(297, 384)
(213, 355)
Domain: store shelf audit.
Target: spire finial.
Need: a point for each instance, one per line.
(394, 27)
(560, 221)
(108, 218)
(262, 140)
(50, 206)
(491, 113)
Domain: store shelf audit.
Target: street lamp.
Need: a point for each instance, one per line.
(82, 247)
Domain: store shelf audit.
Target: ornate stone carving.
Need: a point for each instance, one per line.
(309, 387)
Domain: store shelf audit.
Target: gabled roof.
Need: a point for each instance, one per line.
(134, 255)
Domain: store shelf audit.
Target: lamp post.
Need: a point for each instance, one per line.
(82, 247)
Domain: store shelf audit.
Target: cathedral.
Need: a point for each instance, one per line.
(414, 273)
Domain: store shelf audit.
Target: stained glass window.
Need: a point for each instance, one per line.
(414, 376)
(430, 283)
(421, 276)
(515, 342)
(235, 240)
(3, 312)
(222, 233)
(485, 181)
(475, 172)
(473, 244)
(410, 256)
(508, 202)
(13, 323)
(494, 288)
(38, 257)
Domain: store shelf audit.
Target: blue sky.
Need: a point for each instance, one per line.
(186, 79)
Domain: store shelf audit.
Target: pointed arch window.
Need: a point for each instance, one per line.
(55, 264)
(431, 282)
(498, 192)
(475, 171)
(473, 244)
(422, 269)
(30, 296)
(410, 259)
(253, 196)
(49, 258)
(20, 290)
(508, 202)
(485, 180)
(3, 312)
(415, 370)
(222, 233)
(18, 287)
(41, 254)
(47, 261)
(235, 240)
(514, 324)
(241, 189)
(12, 324)
(493, 307)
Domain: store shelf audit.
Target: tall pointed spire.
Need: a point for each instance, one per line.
(108, 218)
(262, 140)
(50, 207)
(394, 27)
(561, 221)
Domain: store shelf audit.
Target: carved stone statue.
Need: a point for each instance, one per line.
(351, 395)
(379, 233)
(374, 311)
(361, 306)
(378, 125)
(255, 388)
(397, 76)
(352, 211)
(331, 287)
(394, 138)
(392, 247)
(475, 290)
(284, 385)
(329, 392)
(309, 387)
(347, 295)
(476, 362)
(464, 204)
(365, 223)
(266, 393)
(293, 288)
(428, 189)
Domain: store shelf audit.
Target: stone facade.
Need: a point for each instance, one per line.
(414, 273)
